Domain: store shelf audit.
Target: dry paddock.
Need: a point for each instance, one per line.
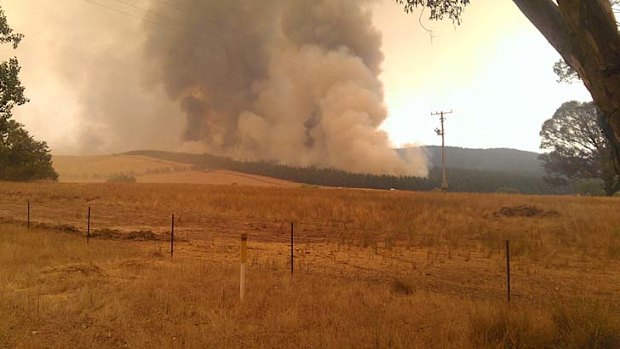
(372, 268)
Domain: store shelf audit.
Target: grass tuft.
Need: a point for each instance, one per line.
(585, 324)
(497, 326)
(403, 287)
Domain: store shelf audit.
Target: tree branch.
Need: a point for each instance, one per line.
(596, 19)
(545, 15)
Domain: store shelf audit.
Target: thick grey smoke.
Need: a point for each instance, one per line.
(292, 81)
(81, 69)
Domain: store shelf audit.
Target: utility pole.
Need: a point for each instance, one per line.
(441, 132)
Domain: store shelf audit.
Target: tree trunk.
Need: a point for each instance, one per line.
(585, 34)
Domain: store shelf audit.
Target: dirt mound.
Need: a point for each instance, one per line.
(525, 211)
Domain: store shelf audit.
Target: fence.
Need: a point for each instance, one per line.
(305, 238)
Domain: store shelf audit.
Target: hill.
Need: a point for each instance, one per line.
(92, 169)
(495, 159)
(470, 170)
(216, 177)
(461, 179)
(147, 169)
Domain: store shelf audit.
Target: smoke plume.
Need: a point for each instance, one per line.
(81, 69)
(290, 81)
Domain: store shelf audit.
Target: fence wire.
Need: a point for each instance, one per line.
(339, 242)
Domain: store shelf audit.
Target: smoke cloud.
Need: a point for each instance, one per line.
(290, 81)
(295, 82)
(81, 69)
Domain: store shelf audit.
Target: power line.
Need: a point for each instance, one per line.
(172, 24)
(121, 11)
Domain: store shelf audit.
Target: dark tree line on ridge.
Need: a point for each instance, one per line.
(461, 180)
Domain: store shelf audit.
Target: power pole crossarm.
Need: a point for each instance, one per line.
(441, 132)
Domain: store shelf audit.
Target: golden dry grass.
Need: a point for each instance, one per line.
(373, 269)
(98, 169)
(61, 293)
(92, 169)
(215, 177)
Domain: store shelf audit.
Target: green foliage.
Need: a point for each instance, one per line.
(6, 33)
(565, 72)
(21, 157)
(578, 147)
(11, 90)
(453, 9)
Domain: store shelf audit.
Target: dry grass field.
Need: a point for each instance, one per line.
(98, 169)
(93, 169)
(373, 269)
(215, 177)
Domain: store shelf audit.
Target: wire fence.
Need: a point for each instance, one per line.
(197, 226)
(333, 246)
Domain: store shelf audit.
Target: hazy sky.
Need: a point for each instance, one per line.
(494, 72)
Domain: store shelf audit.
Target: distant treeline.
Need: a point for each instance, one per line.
(495, 159)
(461, 180)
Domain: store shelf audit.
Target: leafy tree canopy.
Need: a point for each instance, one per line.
(7, 35)
(21, 157)
(578, 148)
(565, 72)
